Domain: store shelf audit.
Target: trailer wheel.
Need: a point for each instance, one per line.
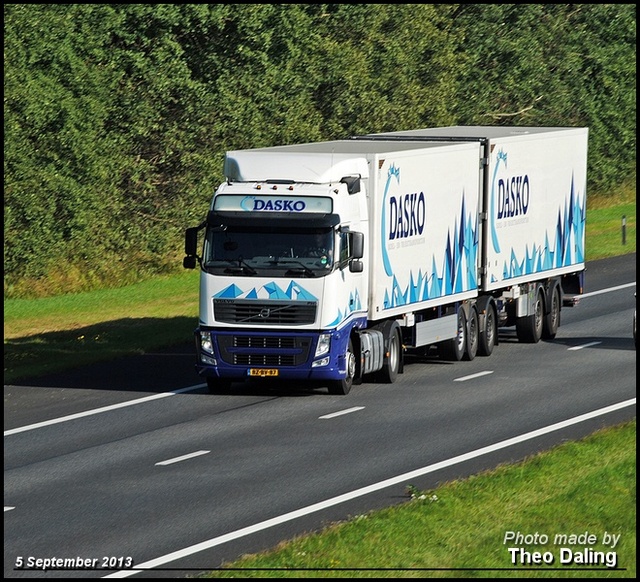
(218, 385)
(453, 350)
(393, 357)
(489, 332)
(473, 332)
(343, 387)
(529, 327)
(551, 321)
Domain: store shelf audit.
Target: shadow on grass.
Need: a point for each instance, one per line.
(138, 354)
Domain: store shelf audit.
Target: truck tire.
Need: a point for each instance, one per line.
(453, 350)
(529, 327)
(393, 357)
(489, 330)
(551, 321)
(473, 333)
(218, 385)
(343, 387)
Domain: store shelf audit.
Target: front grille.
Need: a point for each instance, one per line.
(258, 312)
(264, 360)
(263, 350)
(250, 341)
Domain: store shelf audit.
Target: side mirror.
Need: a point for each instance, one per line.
(356, 266)
(191, 241)
(357, 245)
(189, 262)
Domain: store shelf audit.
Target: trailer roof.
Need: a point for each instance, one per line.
(323, 162)
(350, 146)
(475, 131)
(414, 139)
(328, 161)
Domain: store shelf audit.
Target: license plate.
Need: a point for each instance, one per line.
(263, 372)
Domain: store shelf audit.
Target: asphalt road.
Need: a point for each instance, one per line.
(132, 462)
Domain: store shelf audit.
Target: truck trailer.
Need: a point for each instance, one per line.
(327, 263)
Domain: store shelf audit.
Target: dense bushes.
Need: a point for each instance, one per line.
(116, 117)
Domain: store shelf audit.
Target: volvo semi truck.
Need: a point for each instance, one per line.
(329, 263)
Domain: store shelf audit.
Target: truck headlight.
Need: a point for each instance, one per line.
(324, 344)
(208, 360)
(321, 362)
(206, 343)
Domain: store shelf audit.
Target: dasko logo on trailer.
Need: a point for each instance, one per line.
(404, 215)
(510, 196)
(512, 193)
(406, 211)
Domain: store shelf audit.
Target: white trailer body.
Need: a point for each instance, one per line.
(534, 198)
(424, 247)
(436, 237)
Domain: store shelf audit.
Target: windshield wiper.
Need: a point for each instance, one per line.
(297, 270)
(241, 267)
(301, 268)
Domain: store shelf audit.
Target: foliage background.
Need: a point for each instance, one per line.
(117, 117)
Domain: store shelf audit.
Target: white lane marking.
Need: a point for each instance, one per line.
(8, 508)
(99, 410)
(470, 377)
(347, 411)
(162, 354)
(625, 286)
(364, 491)
(183, 458)
(584, 346)
(608, 290)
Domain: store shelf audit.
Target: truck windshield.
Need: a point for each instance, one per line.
(250, 251)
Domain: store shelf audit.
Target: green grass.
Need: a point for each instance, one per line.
(53, 334)
(459, 528)
(606, 236)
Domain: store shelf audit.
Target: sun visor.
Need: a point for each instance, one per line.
(275, 220)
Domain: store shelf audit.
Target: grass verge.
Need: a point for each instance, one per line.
(460, 529)
(53, 334)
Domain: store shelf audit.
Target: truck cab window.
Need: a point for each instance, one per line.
(344, 248)
(277, 251)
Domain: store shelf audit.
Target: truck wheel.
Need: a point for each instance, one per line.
(489, 331)
(452, 350)
(473, 332)
(343, 387)
(551, 321)
(218, 385)
(529, 328)
(391, 362)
